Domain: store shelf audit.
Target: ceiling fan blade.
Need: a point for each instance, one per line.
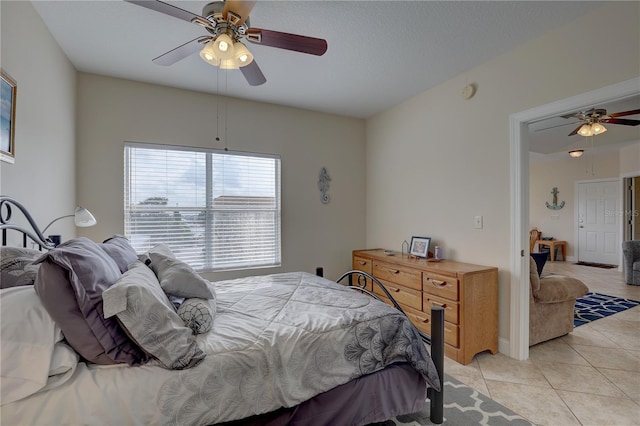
(622, 121)
(297, 43)
(623, 113)
(239, 7)
(181, 52)
(575, 131)
(253, 74)
(171, 10)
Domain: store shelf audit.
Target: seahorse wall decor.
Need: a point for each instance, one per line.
(555, 205)
(323, 185)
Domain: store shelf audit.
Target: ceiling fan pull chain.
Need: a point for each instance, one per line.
(226, 110)
(217, 106)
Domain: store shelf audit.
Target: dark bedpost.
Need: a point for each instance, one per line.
(320, 271)
(437, 354)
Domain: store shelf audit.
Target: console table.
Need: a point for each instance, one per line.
(468, 293)
(552, 247)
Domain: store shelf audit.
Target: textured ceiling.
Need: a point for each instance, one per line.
(380, 52)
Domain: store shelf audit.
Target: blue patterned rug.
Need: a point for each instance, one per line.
(594, 306)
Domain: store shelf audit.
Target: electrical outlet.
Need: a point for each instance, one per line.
(477, 222)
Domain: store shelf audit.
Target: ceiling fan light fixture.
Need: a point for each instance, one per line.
(208, 54)
(576, 153)
(242, 55)
(229, 64)
(223, 47)
(586, 130)
(598, 128)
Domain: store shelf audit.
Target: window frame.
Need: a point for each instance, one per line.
(209, 209)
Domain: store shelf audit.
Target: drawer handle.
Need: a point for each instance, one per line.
(362, 262)
(395, 290)
(393, 271)
(442, 305)
(438, 283)
(425, 321)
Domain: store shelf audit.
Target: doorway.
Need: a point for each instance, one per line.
(518, 345)
(631, 208)
(598, 204)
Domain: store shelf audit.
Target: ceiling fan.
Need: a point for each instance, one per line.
(227, 23)
(591, 120)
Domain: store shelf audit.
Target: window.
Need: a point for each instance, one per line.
(216, 210)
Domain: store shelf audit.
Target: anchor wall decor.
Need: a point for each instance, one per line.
(555, 205)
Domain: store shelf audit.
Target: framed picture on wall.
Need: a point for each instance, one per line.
(7, 117)
(420, 246)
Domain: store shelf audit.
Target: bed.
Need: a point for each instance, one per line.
(289, 348)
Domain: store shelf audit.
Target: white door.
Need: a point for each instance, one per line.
(598, 221)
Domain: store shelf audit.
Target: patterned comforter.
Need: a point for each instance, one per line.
(277, 340)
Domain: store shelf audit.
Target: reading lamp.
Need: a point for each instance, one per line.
(82, 218)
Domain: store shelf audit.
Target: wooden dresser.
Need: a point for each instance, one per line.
(468, 293)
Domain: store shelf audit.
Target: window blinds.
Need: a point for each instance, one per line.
(216, 210)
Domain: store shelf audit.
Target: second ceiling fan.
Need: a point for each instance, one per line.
(591, 120)
(227, 23)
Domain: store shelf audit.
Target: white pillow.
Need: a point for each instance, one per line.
(29, 335)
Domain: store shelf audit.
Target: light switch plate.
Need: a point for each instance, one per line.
(477, 222)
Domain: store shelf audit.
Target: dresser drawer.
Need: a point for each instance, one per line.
(440, 285)
(451, 309)
(406, 277)
(362, 264)
(404, 296)
(422, 321)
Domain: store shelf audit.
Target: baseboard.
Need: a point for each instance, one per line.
(503, 346)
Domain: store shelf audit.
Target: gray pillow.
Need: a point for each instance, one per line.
(16, 266)
(70, 283)
(150, 319)
(120, 250)
(176, 277)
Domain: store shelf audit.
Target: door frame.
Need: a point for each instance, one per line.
(518, 345)
(623, 208)
(576, 209)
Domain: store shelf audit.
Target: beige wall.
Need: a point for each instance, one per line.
(435, 161)
(43, 175)
(111, 111)
(630, 160)
(563, 174)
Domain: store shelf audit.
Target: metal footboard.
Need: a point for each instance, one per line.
(357, 281)
(34, 233)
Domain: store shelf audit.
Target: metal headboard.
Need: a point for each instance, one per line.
(6, 204)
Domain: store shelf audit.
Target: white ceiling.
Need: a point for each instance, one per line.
(380, 52)
(551, 136)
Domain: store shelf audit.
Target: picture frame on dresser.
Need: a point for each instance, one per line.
(420, 246)
(8, 89)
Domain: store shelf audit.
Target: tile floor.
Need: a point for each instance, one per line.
(589, 377)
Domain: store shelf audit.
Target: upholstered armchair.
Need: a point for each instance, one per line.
(552, 300)
(631, 253)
